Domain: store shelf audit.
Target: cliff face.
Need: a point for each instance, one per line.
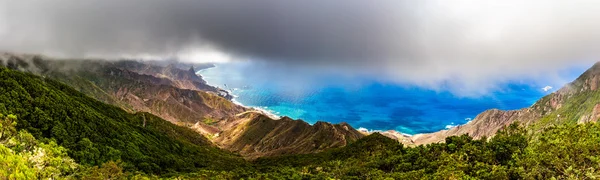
(576, 102)
(183, 98)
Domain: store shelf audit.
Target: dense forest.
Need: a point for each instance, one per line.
(49, 130)
(95, 133)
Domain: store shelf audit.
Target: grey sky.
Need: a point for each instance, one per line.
(469, 46)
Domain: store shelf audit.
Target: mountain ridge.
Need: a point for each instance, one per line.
(259, 134)
(487, 123)
(183, 98)
(96, 132)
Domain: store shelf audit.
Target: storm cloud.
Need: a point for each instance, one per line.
(466, 46)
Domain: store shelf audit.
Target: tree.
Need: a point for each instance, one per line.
(7, 127)
(22, 157)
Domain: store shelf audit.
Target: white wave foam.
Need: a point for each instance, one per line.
(264, 110)
(272, 114)
(451, 125)
(362, 129)
(370, 131)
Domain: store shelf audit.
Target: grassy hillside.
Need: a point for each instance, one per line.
(95, 132)
(561, 152)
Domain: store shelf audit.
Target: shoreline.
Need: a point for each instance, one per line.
(233, 96)
(275, 115)
(261, 110)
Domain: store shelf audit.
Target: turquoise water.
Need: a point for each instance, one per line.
(369, 104)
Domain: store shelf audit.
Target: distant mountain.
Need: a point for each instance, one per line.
(179, 78)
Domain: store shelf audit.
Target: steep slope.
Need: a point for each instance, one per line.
(576, 102)
(158, 96)
(255, 135)
(95, 132)
(183, 98)
(117, 85)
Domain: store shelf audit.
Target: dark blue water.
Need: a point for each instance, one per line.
(370, 104)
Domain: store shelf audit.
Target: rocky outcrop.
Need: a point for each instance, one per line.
(256, 135)
(592, 117)
(485, 124)
(159, 96)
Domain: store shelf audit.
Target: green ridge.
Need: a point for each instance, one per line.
(95, 132)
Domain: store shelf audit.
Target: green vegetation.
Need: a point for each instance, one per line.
(209, 121)
(95, 133)
(57, 132)
(23, 157)
(573, 109)
(562, 152)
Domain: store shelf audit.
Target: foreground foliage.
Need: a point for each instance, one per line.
(24, 157)
(563, 152)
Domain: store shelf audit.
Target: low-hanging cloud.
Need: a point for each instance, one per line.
(466, 46)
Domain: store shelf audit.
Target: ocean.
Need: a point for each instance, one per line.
(370, 104)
